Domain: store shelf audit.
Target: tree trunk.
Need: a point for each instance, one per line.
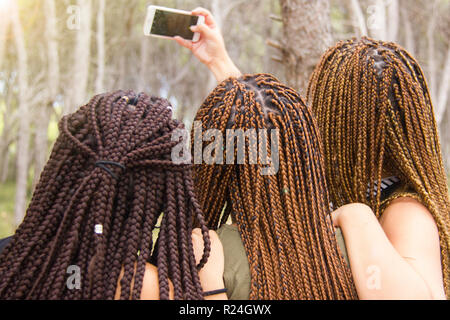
(99, 82)
(358, 17)
(42, 118)
(4, 166)
(76, 93)
(393, 20)
(306, 35)
(376, 21)
(4, 23)
(218, 12)
(5, 142)
(408, 30)
(4, 145)
(143, 64)
(23, 140)
(444, 132)
(442, 99)
(431, 51)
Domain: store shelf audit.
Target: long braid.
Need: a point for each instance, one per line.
(111, 169)
(380, 120)
(282, 218)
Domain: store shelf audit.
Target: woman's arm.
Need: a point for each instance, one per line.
(150, 284)
(402, 262)
(210, 49)
(211, 275)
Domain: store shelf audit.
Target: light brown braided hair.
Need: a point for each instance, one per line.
(110, 166)
(282, 218)
(375, 115)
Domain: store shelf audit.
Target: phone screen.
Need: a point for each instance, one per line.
(171, 24)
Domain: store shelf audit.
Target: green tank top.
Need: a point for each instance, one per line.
(236, 274)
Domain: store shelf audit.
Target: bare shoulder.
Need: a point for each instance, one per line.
(407, 211)
(411, 229)
(406, 220)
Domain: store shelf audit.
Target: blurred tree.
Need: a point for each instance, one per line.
(23, 137)
(78, 83)
(306, 35)
(99, 81)
(5, 137)
(42, 118)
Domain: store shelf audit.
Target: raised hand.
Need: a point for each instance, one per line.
(210, 49)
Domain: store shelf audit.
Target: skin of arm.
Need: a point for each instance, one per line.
(150, 284)
(395, 258)
(211, 275)
(210, 49)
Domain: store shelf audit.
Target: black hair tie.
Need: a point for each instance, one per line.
(103, 165)
(214, 292)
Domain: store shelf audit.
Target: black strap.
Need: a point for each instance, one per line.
(103, 165)
(214, 292)
(388, 186)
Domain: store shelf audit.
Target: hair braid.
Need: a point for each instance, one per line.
(290, 245)
(111, 169)
(384, 125)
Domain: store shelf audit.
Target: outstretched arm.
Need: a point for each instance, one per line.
(210, 49)
(398, 258)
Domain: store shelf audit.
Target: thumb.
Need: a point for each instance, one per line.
(203, 29)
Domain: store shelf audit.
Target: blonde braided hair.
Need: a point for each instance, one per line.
(282, 218)
(375, 115)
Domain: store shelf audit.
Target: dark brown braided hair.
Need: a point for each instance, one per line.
(375, 115)
(110, 166)
(282, 218)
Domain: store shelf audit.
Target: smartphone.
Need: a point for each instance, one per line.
(165, 22)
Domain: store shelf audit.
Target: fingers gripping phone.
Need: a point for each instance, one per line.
(167, 23)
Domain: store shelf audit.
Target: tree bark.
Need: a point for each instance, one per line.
(43, 114)
(306, 35)
(99, 81)
(76, 93)
(23, 140)
(376, 20)
(4, 23)
(4, 145)
(143, 64)
(431, 51)
(408, 30)
(393, 17)
(358, 17)
(442, 98)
